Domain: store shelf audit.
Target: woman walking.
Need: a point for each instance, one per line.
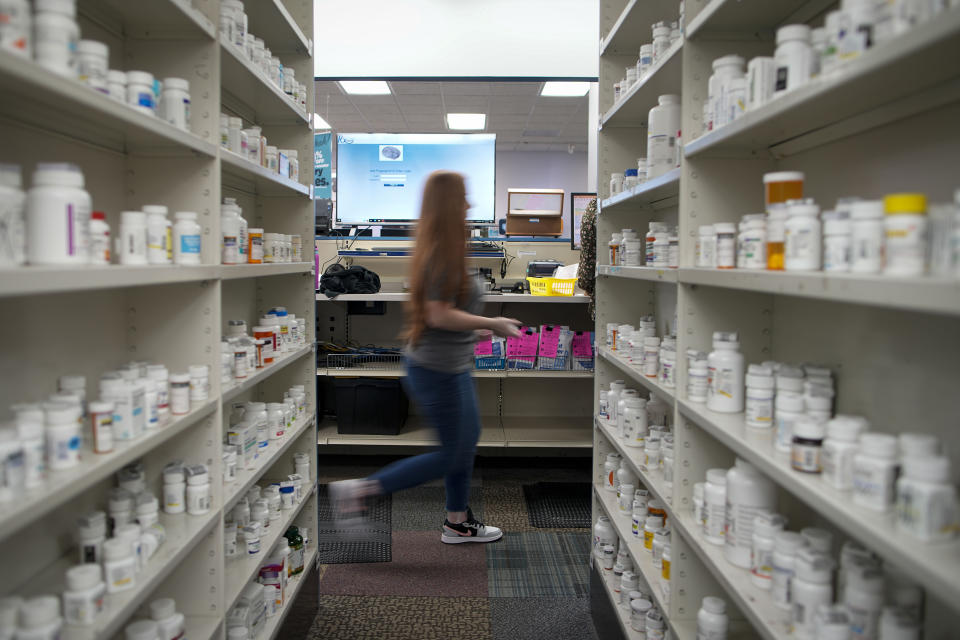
(442, 324)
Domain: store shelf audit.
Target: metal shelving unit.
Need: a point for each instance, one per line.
(883, 122)
(89, 320)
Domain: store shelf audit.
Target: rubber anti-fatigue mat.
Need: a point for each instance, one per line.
(558, 505)
(371, 543)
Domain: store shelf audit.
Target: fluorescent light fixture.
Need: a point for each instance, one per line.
(565, 89)
(365, 87)
(466, 120)
(319, 124)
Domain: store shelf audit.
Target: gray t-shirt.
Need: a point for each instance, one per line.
(440, 349)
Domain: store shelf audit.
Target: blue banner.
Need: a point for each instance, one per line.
(322, 178)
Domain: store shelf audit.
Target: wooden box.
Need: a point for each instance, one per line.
(535, 212)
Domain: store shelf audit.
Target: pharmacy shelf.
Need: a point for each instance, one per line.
(37, 97)
(632, 28)
(652, 480)
(860, 87)
(547, 432)
(926, 294)
(242, 570)
(264, 181)
(63, 486)
(723, 17)
(503, 298)
(633, 107)
(163, 19)
(247, 477)
(476, 373)
(279, 362)
(58, 279)
(184, 532)
(241, 80)
(201, 627)
(270, 21)
(639, 273)
(294, 584)
(623, 615)
(234, 271)
(635, 374)
(415, 433)
(645, 194)
(936, 566)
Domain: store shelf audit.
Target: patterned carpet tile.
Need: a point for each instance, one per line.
(424, 508)
(559, 504)
(539, 618)
(401, 618)
(542, 564)
(421, 566)
(504, 506)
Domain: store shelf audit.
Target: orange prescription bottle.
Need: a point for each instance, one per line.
(778, 187)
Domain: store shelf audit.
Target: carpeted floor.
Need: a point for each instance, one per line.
(532, 584)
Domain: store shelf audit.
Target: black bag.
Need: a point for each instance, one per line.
(338, 279)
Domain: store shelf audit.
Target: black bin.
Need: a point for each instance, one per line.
(371, 406)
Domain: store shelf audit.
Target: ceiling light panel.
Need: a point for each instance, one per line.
(365, 87)
(565, 89)
(466, 121)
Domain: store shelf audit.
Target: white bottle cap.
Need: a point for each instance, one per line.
(916, 445)
(39, 611)
(878, 445)
(808, 428)
(162, 608)
(717, 476)
(928, 469)
(117, 549)
(9, 609)
(846, 428)
(84, 576)
(819, 540)
(713, 604)
(142, 630)
(788, 542)
(767, 525)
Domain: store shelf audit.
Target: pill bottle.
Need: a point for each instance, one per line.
(867, 236)
(99, 239)
(726, 245)
(57, 216)
(655, 625)
(163, 611)
(766, 525)
(140, 93)
(668, 368)
(629, 179)
(726, 69)
(179, 393)
(603, 534)
(905, 228)
(780, 186)
(761, 81)
(251, 535)
(629, 581)
(897, 623)
(748, 494)
(926, 499)
(663, 132)
(132, 240)
(807, 441)
(92, 64)
(609, 551)
(117, 85)
(255, 245)
(698, 381)
(831, 622)
(776, 235)
(661, 537)
(157, 234)
(786, 545)
(706, 255)
(101, 425)
(614, 247)
(83, 597)
(651, 357)
(651, 525)
(288, 497)
(794, 58)
(616, 183)
(56, 36)
(229, 236)
(863, 596)
(726, 375)
(802, 236)
(812, 587)
(16, 36)
(839, 447)
(12, 207)
(874, 471)
(91, 534)
(753, 242)
(40, 617)
(236, 136)
(293, 158)
(62, 436)
(651, 453)
(119, 565)
(198, 490)
(789, 409)
(836, 243)
(186, 238)
(147, 509)
(120, 504)
(141, 630)
(699, 506)
(131, 533)
(175, 102)
(714, 504)
(271, 159)
(759, 396)
(638, 613)
(174, 488)
(916, 445)
(712, 620)
(159, 374)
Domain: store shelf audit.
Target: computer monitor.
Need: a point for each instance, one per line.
(380, 176)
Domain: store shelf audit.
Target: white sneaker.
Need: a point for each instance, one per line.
(470, 530)
(348, 501)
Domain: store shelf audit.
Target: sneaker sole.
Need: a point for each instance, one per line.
(457, 540)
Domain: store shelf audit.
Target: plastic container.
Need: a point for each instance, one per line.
(839, 448)
(639, 608)
(789, 409)
(780, 186)
(40, 618)
(142, 630)
(726, 245)
(748, 493)
(765, 528)
(170, 623)
(229, 236)
(726, 376)
(99, 239)
(759, 396)
(712, 619)
(56, 36)
(761, 81)
(117, 85)
(786, 545)
(603, 534)
(186, 238)
(12, 208)
(706, 255)
(93, 63)
(837, 243)
(58, 216)
(867, 236)
(863, 597)
(793, 57)
(132, 239)
(635, 422)
(62, 436)
(119, 565)
(807, 444)
(802, 236)
(140, 92)
(714, 500)
(663, 133)
(926, 499)
(175, 102)
(698, 381)
(811, 588)
(83, 597)
(16, 37)
(874, 471)
(905, 227)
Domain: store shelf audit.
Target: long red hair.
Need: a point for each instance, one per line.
(441, 247)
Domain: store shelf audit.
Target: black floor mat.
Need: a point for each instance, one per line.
(372, 543)
(558, 505)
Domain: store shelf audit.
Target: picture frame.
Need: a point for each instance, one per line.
(578, 206)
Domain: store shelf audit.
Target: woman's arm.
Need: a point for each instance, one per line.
(443, 315)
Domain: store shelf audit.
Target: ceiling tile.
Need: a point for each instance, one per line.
(465, 88)
(418, 99)
(408, 87)
(515, 88)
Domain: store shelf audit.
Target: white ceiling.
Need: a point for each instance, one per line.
(522, 120)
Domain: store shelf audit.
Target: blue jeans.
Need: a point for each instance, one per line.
(449, 404)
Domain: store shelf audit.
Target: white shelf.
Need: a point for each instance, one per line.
(639, 273)
(476, 373)
(234, 271)
(294, 585)
(183, 533)
(279, 362)
(632, 28)
(201, 627)
(265, 182)
(751, 16)
(56, 279)
(270, 21)
(646, 194)
(936, 566)
(634, 105)
(858, 87)
(926, 294)
(487, 297)
(161, 19)
(247, 477)
(635, 374)
(40, 98)
(623, 616)
(247, 84)
(63, 486)
(242, 570)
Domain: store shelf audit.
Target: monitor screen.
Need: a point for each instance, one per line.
(380, 176)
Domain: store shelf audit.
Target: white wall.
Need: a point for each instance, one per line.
(540, 169)
(456, 38)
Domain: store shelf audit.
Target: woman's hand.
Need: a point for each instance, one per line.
(505, 327)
